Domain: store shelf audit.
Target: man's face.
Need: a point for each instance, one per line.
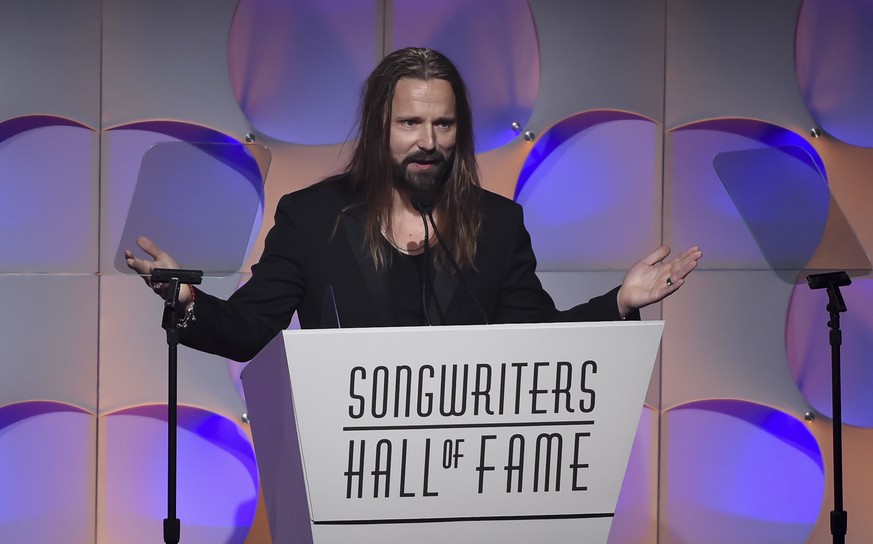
(422, 139)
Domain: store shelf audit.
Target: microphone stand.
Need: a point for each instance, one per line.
(426, 283)
(422, 201)
(832, 281)
(457, 268)
(170, 323)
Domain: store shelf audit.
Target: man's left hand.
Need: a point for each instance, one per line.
(655, 278)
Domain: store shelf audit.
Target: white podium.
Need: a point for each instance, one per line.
(497, 433)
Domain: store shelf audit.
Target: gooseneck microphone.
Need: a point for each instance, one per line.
(422, 201)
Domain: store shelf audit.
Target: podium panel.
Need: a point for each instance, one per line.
(476, 434)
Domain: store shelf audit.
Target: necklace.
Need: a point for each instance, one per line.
(414, 250)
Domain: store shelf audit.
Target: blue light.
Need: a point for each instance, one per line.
(742, 468)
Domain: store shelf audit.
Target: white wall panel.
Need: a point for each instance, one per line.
(48, 344)
(725, 338)
(733, 59)
(599, 55)
(50, 59)
(168, 60)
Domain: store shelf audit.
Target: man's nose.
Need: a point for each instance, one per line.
(427, 138)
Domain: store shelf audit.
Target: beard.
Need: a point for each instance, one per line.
(425, 182)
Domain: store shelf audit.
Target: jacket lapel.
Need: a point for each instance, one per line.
(377, 282)
(445, 284)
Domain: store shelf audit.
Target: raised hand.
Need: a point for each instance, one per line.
(655, 278)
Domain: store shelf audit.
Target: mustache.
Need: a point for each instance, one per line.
(433, 157)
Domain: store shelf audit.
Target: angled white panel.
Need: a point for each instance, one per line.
(168, 60)
(48, 200)
(133, 352)
(599, 55)
(725, 338)
(733, 59)
(50, 59)
(49, 339)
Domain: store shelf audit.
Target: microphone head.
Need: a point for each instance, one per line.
(422, 200)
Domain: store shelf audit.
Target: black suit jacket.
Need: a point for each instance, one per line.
(314, 262)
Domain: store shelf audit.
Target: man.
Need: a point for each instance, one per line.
(405, 236)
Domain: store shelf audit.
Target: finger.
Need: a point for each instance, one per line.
(129, 257)
(138, 265)
(683, 264)
(150, 247)
(681, 270)
(144, 269)
(691, 254)
(657, 256)
(686, 269)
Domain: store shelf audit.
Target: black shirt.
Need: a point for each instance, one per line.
(406, 278)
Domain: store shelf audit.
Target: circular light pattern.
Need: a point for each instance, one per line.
(210, 508)
(739, 472)
(807, 344)
(576, 180)
(296, 67)
(833, 47)
(36, 152)
(46, 466)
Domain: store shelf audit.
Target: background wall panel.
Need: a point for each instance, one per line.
(50, 54)
(627, 102)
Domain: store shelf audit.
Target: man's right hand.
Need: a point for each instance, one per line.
(160, 259)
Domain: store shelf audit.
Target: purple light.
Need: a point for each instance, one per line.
(217, 486)
(740, 472)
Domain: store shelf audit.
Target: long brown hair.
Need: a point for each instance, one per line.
(370, 168)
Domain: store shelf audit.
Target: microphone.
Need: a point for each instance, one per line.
(422, 200)
(421, 206)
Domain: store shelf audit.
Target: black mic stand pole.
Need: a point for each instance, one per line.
(836, 305)
(170, 323)
(422, 201)
(426, 277)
